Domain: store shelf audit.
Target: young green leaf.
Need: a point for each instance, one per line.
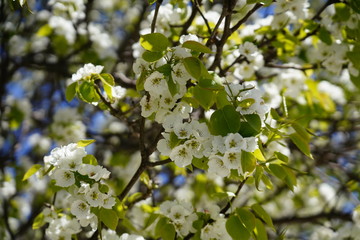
(247, 218)
(206, 98)
(154, 42)
(248, 162)
(196, 46)
(225, 120)
(90, 159)
(31, 171)
(261, 213)
(88, 93)
(260, 231)
(152, 56)
(235, 229)
(85, 142)
(301, 143)
(193, 66)
(38, 221)
(251, 127)
(71, 91)
(109, 218)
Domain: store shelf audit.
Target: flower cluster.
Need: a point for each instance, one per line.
(162, 78)
(181, 215)
(86, 71)
(66, 126)
(84, 183)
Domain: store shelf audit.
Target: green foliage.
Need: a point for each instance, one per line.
(236, 229)
(109, 218)
(31, 171)
(71, 91)
(164, 229)
(154, 42)
(251, 126)
(225, 120)
(196, 46)
(85, 142)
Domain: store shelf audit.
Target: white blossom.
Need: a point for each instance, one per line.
(86, 71)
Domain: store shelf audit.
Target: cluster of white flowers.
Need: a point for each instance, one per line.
(194, 138)
(181, 215)
(160, 101)
(108, 234)
(66, 126)
(215, 230)
(84, 183)
(86, 71)
(287, 11)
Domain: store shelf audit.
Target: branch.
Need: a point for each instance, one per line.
(158, 4)
(328, 3)
(228, 205)
(312, 218)
(188, 23)
(245, 18)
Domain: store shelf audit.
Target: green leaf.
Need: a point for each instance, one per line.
(355, 5)
(225, 120)
(90, 159)
(164, 229)
(342, 12)
(267, 181)
(140, 81)
(277, 171)
(71, 91)
(301, 131)
(261, 213)
(235, 229)
(109, 218)
(259, 171)
(134, 197)
(210, 84)
(248, 162)
(260, 231)
(355, 80)
(354, 56)
(85, 142)
(154, 42)
(290, 178)
(325, 36)
(221, 99)
(275, 114)
(38, 221)
(201, 163)
(44, 31)
(251, 127)
(152, 56)
(193, 66)
(259, 156)
(172, 85)
(31, 171)
(247, 218)
(301, 143)
(88, 93)
(206, 98)
(107, 78)
(281, 157)
(196, 46)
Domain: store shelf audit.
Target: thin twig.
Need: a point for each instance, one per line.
(157, 7)
(228, 205)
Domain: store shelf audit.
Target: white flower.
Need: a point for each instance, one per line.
(178, 213)
(251, 144)
(148, 106)
(66, 157)
(232, 159)
(118, 92)
(127, 236)
(155, 84)
(181, 155)
(63, 178)
(86, 71)
(94, 197)
(94, 172)
(249, 50)
(183, 130)
(194, 146)
(189, 37)
(217, 166)
(109, 202)
(234, 142)
(180, 74)
(164, 145)
(80, 209)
